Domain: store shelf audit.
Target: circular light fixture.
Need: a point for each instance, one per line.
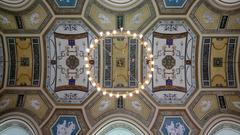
(90, 62)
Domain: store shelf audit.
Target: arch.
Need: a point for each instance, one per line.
(16, 5)
(120, 125)
(227, 5)
(225, 128)
(223, 125)
(20, 124)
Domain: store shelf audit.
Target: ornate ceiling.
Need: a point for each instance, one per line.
(195, 87)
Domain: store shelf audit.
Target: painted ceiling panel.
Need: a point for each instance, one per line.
(133, 19)
(194, 88)
(30, 20)
(210, 19)
(66, 42)
(174, 46)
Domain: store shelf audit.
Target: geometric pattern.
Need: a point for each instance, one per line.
(218, 61)
(25, 58)
(174, 46)
(66, 43)
(120, 62)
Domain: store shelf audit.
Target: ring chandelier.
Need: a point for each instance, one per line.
(89, 62)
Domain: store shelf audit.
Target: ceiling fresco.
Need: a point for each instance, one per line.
(106, 19)
(193, 87)
(211, 19)
(66, 43)
(32, 19)
(174, 45)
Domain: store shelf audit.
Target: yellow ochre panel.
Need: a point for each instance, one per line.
(218, 51)
(120, 62)
(24, 61)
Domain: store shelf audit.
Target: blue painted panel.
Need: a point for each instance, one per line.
(66, 3)
(174, 126)
(174, 3)
(66, 125)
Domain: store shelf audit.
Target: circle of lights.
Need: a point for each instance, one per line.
(89, 63)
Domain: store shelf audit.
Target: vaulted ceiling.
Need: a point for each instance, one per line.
(195, 82)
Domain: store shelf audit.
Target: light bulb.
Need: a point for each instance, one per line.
(130, 94)
(101, 34)
(107, 33)
(114, 32)
(87, 50)
(98, 88)
(88, 72)
(104, 93)
(137, 91)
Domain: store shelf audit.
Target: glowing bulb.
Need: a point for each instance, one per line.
(140, 36)
(101, 34)
(134, 35)
(117, 95)
(124, 95)
(110, 94)
(91, 46)
(150, 75)
(145, 43)
(142, 86)
(151, 56)
(96, 40)
(152, 62)
(114, 32)
(94, 84)
(98, 88)
(121, 29)
(104, 93)
(130, 94)
(87, 50)
(107, 33)
(87, 65)
(149, 49)
(152, 69)
(88, 72)
(90, 78)
(86, 58)
(137, 91)
(146, 82)
(128, 32)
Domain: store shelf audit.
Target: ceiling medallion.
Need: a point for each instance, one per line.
(140, 85)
